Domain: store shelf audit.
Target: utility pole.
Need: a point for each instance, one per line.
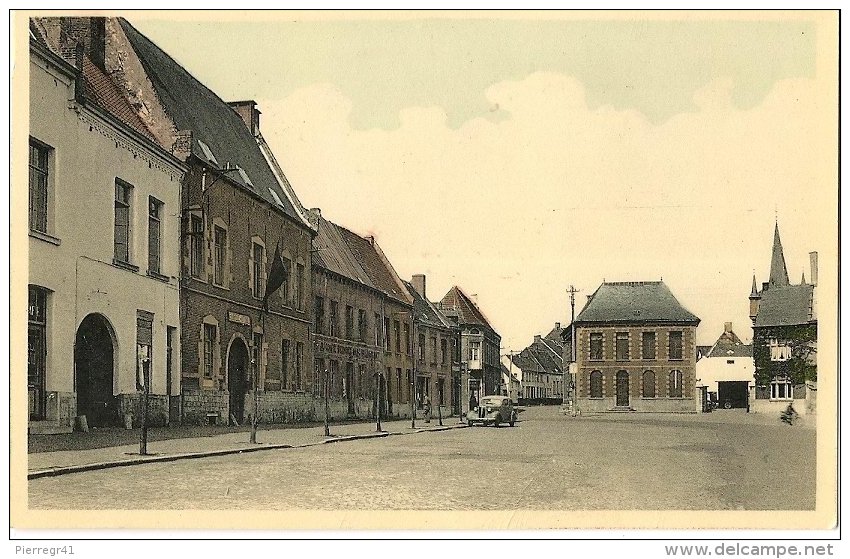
(378, 401)
(327, 387)
(146, 375)
(573, 373)
(413, 376)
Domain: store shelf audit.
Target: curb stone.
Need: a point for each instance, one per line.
(152, 459)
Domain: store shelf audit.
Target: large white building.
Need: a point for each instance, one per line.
(104, 207)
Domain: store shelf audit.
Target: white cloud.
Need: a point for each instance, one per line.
(559, 193)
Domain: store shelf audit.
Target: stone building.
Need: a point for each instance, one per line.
(785, 336)
(635, 350)
(104, 200)
(435, 343)
(479, 346)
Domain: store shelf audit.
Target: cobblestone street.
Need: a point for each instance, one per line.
(548, 461)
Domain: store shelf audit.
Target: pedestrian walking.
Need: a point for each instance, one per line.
(426, 404)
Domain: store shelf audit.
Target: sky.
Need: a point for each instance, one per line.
(515, 157)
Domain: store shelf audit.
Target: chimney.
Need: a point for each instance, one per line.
(90, 32)
(418, 282)
(537, 339)
(248, 112)
(371, 239)
(557, 326)
(813, 260)
(727, 327)
(182, 146)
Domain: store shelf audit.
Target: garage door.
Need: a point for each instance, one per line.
(732, 394)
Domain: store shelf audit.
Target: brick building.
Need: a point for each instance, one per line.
(785, 336)
(635, 350)
(479, 346)
(104, 196)
(539, 367)
(435, 353)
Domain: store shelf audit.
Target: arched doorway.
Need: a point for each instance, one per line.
(237, 374)
(94, 363)
(622, 388)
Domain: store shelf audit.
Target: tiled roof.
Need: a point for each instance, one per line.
(100, 89)
(467, 311)
(729, 345)
(380, 272)
(784, 306)
(334, 254)
(192, 106)
(638, 301)
(545, 357)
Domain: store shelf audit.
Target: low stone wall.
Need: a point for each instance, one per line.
(776, 407)
(130, 404)
(61, 408)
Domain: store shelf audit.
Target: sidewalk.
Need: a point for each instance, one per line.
(44, 464)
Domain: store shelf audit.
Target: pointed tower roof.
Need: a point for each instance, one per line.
(778, 271)
(803, 280)
(754, 292)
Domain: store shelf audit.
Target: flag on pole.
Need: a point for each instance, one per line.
(277, 273)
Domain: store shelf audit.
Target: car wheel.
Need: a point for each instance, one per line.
(512, 421)
(497, 421)
(727, 405)
(469, 422)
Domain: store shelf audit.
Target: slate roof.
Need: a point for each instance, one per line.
(702, 351)
(193, 106)
(467, 311)
(785, 306)
(635, 302)
(545, 357)
(426, 312)
(729, 345)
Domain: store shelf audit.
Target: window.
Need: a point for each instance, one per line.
(421, 347)
(144, 348)
(433, 349)
(441, 391)
(675, 384)
(196, 252)
(362, 325)
(398, 385)
(648, 384)
(284, 363)
(397, 329)
(781, 389)
(299, 286)
(407, 345)
(209, 341)
(378, 334)
(299, 364)
(444, 351)
(596, 384)
(675, 347)
(387, 334)
(779, 351)
(320, 315)
(154, 235)
(285, 287)
(474, 351)
(259, 257)
(257, 356)
(622, 346)
(36, 351)
(334, 318)
(220, 254)
(38, 187)
(123, 197)
(596, 346)
(648, 345)
(349, 322)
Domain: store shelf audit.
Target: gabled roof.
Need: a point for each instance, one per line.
(467, 311)
(333, 253)
(192, 106)
(378, 268)
(426, 312)
(785, 306)
(729, 345)
(778, 271)
(635, 302)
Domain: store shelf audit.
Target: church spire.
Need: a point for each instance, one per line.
(778, 271)
(754, 292)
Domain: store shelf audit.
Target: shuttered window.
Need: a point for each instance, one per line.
(220, 247)
(154, 235)
(123, 197)
(196, 251)
(596, 384)
(675, 384)
(648, 345)
(284, 364)
(675, 347)
(596, 346)
(38, 193)
(649, 384)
